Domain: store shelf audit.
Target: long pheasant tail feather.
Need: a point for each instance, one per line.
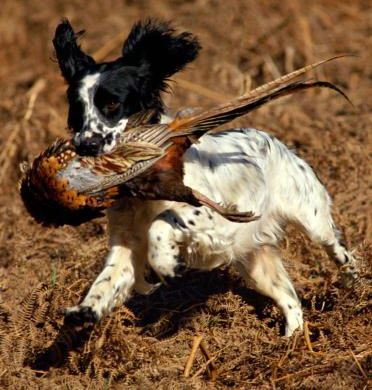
(290, 76)
(201, 125)
(185, 125)
(327, 84)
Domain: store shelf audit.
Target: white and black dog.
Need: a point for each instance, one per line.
(103, 96)
(245, 167)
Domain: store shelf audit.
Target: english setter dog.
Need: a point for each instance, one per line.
(245, 167)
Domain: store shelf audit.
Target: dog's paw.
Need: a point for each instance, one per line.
(81, 316)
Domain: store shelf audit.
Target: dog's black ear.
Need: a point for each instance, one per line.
(155, 47)
(71, 58)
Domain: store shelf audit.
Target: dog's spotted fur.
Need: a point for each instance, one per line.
(102, 96)
(245, 167)
(95, 126)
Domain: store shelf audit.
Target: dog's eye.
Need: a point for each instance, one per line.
(112, 106)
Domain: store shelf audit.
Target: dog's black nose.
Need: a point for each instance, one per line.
(91, 146)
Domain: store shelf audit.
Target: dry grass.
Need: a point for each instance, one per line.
(148, 342)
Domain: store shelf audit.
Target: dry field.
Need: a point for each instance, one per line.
(147, 343)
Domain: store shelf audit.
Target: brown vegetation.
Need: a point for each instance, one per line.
(147, 343)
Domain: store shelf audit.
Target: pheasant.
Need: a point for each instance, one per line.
(61, 187)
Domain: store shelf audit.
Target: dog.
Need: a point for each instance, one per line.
(103, 96)
(245, 167)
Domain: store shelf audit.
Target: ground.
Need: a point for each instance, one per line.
(147, 343)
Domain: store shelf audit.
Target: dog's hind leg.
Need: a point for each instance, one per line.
(263, 270)
(316, 220)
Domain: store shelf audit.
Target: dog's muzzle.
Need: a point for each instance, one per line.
(89, 146)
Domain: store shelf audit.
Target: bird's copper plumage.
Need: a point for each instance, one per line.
(61, 187)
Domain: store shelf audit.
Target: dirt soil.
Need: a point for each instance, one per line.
(146, 343)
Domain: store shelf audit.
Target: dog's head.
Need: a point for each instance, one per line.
(102, 96)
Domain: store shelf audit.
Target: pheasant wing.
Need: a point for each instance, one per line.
(92, 175)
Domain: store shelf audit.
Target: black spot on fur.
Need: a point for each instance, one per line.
(180, 223)
(109, 137)
(212, 165)
(191, 222)
(107, 279)
(197, 212)
(158, 238)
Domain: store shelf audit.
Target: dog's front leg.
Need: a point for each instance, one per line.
(114, 284)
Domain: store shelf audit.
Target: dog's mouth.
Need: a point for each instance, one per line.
(94, 143)
(88, 146)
